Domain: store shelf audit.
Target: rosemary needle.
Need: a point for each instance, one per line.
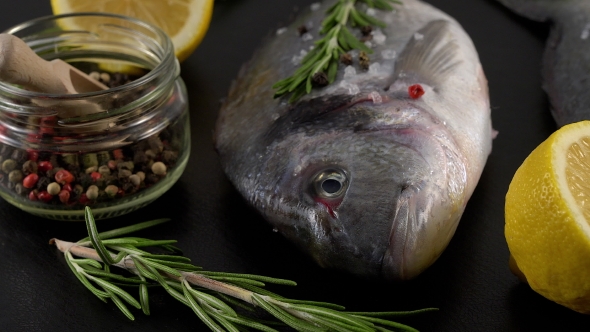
(213, 296)
(324, 57)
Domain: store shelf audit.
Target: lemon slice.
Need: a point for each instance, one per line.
(547, 218)
(185, 21)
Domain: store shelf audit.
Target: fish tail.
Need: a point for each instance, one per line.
(538, 10)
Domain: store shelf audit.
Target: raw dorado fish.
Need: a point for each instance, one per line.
(566, 62)
(359, 174)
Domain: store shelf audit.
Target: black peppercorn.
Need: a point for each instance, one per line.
(5, 151)
(20, 156)
(29, 167)
(43, 182)
(169, 156)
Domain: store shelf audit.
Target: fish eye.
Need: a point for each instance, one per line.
(330, 183)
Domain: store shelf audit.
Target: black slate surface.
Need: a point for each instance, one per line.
(470, 283)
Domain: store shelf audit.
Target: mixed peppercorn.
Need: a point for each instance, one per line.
(74, 179)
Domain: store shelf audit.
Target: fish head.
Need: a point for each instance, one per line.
(374, 189)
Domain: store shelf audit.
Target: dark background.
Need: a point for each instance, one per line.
(470, 283)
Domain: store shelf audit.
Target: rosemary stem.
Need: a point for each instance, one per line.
(231, 290)
(127, 264)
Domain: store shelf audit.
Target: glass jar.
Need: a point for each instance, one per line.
(115, 150)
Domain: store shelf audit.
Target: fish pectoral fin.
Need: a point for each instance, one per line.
(429, 56)
(404, 220)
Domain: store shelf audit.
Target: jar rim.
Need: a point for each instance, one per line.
(167, 47)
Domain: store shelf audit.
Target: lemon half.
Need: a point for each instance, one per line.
(185, 21)
(547, 214)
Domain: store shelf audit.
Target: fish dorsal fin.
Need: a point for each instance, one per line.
(429, 56)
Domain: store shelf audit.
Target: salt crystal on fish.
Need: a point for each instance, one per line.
(388, 54)
(353, 89)
(371, 11)
(585, 32)
(378, 37)
(281, 31)
(315, 6)
(296, 59)
(418, 36)
(306, 36)
(349, 72)
(369, 44)
(376, 97)
(374, 68)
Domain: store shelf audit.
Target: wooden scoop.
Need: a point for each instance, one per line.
(19, 64)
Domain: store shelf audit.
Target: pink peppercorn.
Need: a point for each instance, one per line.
(30, 180)
(95, 176)
(112, 164)
(44, 166)
(83, 199)
(415, 91)
(63, 177)
(34, 137)
(33, 195)
(67, 187)
(118, 154)
(33, 155)
(64, 195)
(44, 196)
(46, 130)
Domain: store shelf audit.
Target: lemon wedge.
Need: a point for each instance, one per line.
(185, 21)
(547, 216)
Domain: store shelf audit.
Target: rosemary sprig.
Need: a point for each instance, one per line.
(337, 40)
(211, 295)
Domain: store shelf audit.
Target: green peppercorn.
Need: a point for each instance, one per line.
(103, 157)
(104, 170)
(141, 176)
(8, 165)
(92, 192)
(53, 188)
(15, 176)
(89, 160)
(70, 159)
(134, 179)
(91, 169)
(159, 168)
(111, 190)
(126, 165)
(124, 174)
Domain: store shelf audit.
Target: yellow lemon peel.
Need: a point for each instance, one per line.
(547, 212)
(185, 21)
